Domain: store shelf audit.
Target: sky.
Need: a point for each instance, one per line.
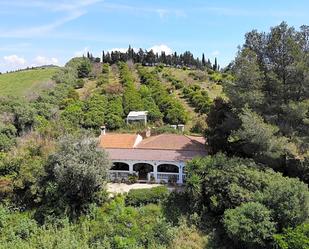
(38, 32)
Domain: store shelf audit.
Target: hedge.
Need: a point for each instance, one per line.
(139, 197)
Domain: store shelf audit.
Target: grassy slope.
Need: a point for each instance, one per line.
(23, 83)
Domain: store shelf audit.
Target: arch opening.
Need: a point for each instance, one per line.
(143, 169)
(168, 168)
(120, 166)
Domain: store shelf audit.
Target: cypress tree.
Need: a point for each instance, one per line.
(215, 66)
(203, 60)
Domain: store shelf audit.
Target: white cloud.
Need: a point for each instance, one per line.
(42, 60)
(122, 50)
(72, 10)
(138, 9)
(243, 12)
(162, 13)
(60, 5)
(42, 29)
(14, 60)
(161, 48)
(215, 53)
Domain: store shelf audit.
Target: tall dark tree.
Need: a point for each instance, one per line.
(103, 56)
(150, 57)
(215, 65)
(203, 60)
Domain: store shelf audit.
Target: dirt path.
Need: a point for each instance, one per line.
(137, 79)
(121, 188)
(114, 75)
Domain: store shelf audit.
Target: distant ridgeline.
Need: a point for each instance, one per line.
(32, 68)
(149, 58)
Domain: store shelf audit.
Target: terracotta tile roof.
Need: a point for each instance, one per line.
(153, 155)
(173, 142)
(164, 147)
(119, 141)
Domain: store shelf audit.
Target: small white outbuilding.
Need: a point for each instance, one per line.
(136, 116)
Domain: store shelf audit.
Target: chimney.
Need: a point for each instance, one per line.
(103, 130)
(174, 126)
(181, 127)
(148, 132)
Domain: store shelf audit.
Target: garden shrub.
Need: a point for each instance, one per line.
(293, 238)
(139, 197)
(79, 84)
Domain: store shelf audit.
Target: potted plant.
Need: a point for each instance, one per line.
(132, 178)
(172, 180)
(152, 179)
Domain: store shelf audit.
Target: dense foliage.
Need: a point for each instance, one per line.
(251, 203)
(111, 226)
(173, 110)
(266, 117)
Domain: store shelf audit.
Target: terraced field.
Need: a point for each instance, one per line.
(190, 77)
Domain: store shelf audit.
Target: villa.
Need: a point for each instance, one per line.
(152, 158)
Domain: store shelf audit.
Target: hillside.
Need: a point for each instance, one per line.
(25, 83)
(249, 188)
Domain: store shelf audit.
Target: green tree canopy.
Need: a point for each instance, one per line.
(249, 224)
(76, 173)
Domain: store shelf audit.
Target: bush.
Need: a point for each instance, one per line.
(249, 224)
(199, 125)
(177, 205)
(132, 178)
(79, 84)
(293, 238)
(105, 68)
(139, 197)
(165, 129)
(84, 69)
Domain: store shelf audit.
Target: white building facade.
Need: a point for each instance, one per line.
(157, 159)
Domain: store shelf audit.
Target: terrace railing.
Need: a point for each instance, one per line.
(120, 174)
(164, 176)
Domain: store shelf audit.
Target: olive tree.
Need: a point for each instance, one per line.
(76, 175)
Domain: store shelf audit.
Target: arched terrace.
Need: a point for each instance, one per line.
(119, 171)
(168, 173)
(143, 169)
